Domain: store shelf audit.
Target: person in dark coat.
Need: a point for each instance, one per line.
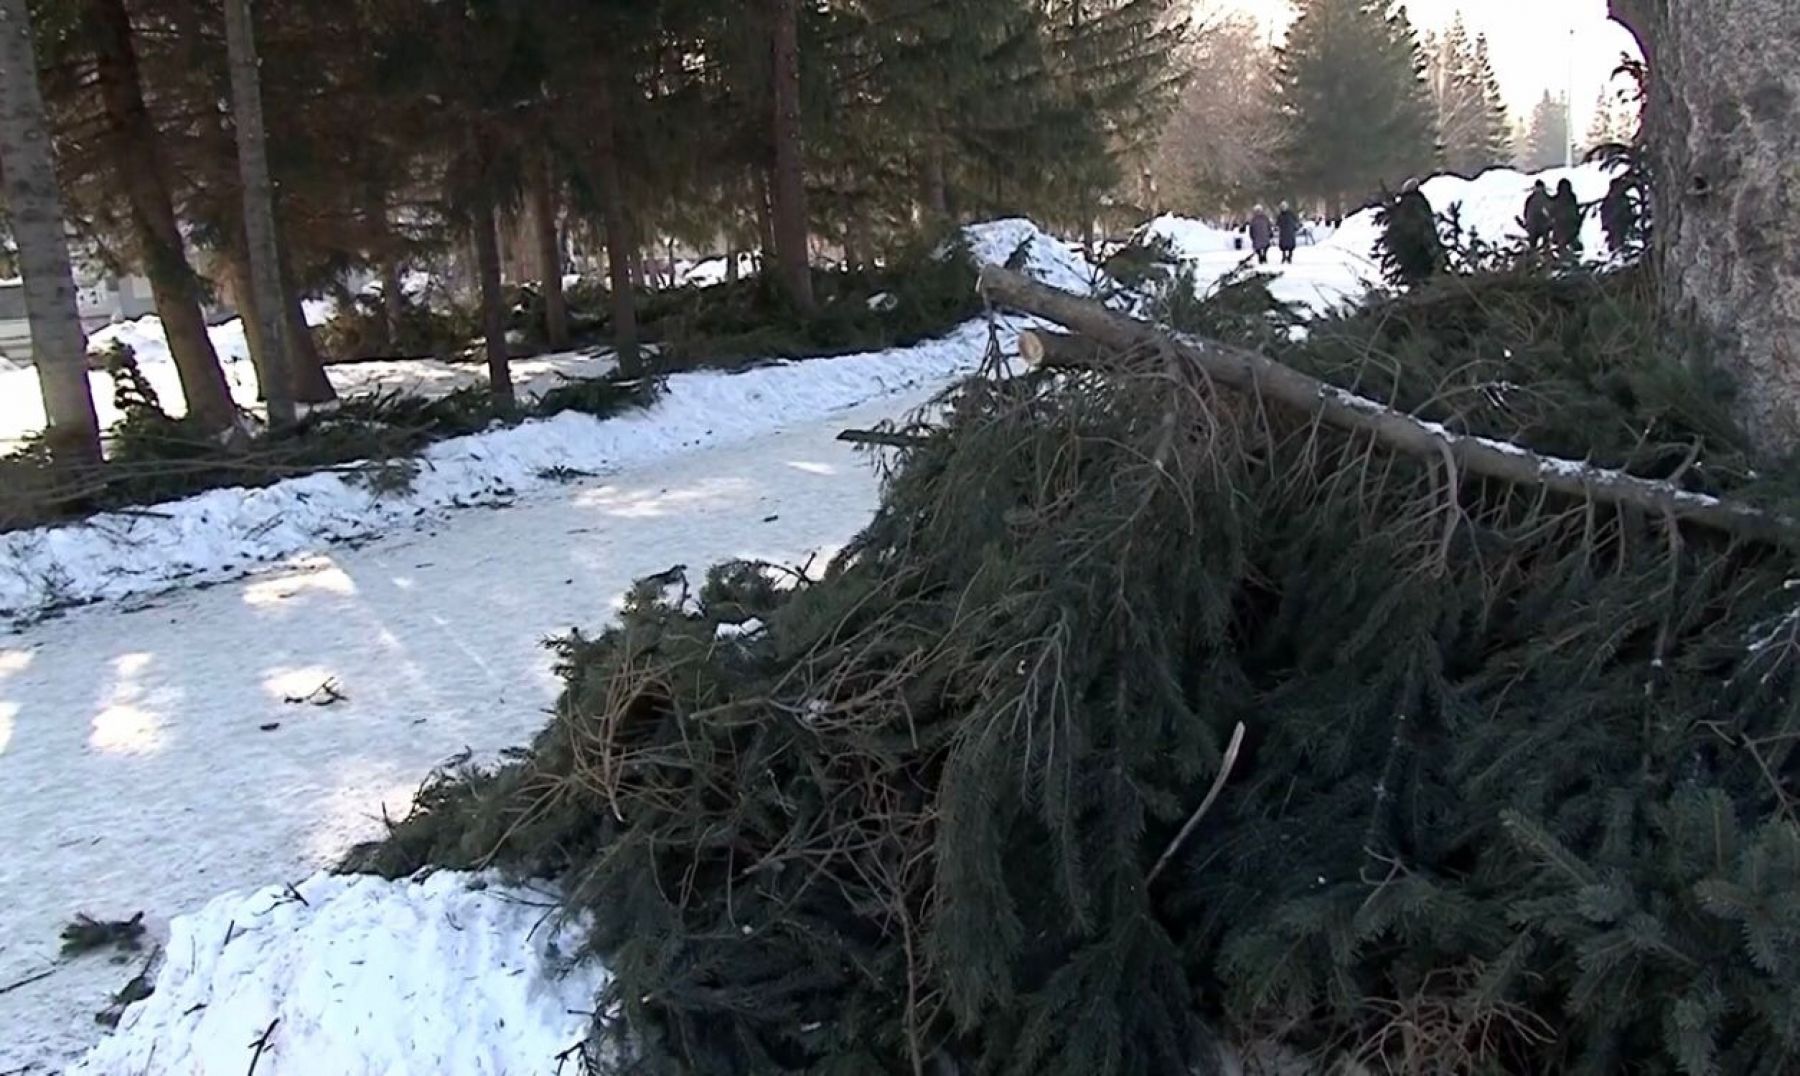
(1287, 232)
(1411, 250)
(1262, 234)
(1619, 214)
(1565, 218)
(1537, 216)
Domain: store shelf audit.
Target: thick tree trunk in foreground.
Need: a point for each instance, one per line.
(493, 305)
(1724, 126)
(34, 202)
(259, 212)
(788, 182)
(621, 250)
(1269, 380)
(136, 161)
(542, 193)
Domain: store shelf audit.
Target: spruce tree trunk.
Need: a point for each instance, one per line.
(136, 163)
(731, 265)
(306, 371)
(616, 214)
(788, 183)
(542, 192)
(243, 300)
(393, 299)
(1724, 129)
(34, 202)
(493, 305)
(276, 370)
(765, 223)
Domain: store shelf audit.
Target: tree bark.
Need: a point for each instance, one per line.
(1254, 373)
(542, 192)
(393, 299)
(136, 160)
(274, 371)
(306, 371)
(34, 202)
(788, 182)
(1723, 119)
(765, 221)
(621, 250)
(493, 306)
(236, 269)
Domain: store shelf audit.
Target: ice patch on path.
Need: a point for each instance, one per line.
(224, 533)
(434, 978)
(1049, 260)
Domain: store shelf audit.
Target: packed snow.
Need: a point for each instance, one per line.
(1047, 258)
(455, 975)
(226, 532)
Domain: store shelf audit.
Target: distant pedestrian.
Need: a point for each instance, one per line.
(1287, 231)
(1619, 214)
(1537, 216)
(1411, 251)
(1565, 218)
(1262, 234)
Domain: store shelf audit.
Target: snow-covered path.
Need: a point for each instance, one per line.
(148, 760)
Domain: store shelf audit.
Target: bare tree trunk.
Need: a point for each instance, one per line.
(34, 202)
(621, 250)
(306, 372)
(136, 160)
(259, 211)
(731, 265)
(765, 222)
(493, 306)
(542, 193)
(1724, 126)
(393, 299)
(243, 299)
(788, 183)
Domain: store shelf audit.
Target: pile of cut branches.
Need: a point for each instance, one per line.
(1157, 698)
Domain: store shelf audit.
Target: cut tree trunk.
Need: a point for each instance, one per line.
(1266, 379)
(135, 156)
(1723, 120)
(788, 182)
(542, 194)
(621, 249)
(275, 371)
(34, 204)
(493, 305)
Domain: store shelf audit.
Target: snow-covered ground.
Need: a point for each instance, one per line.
(149, 759)
(450, 976)
(225, 532)
(1341, 266)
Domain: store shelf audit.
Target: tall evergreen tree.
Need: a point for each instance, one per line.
(1546, 142)
(1471, 114)
(1354, 100)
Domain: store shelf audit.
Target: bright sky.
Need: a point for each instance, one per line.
(1537, 45)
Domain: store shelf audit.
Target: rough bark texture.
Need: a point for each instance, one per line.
(34, 203)
(620, 251)
(136, 161)
(1724, 126)
(493, 305)
(259, 212)
(788, 182)
(1109, 332)
(542, 193)
(306, 371)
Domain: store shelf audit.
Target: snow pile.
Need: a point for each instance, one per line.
(445, 976)
(226, 532)
(705, 274)
(150, 344)
(1492, 205)
(1191, 238)
(1048, 260)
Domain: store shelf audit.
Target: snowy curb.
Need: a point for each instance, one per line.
(451, 976)
(225, 533)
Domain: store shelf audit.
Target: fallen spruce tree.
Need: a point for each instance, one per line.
(1151, 702)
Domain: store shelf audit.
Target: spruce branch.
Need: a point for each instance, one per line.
(1212, 794)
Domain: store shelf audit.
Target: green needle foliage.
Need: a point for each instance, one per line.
(1513, 795)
